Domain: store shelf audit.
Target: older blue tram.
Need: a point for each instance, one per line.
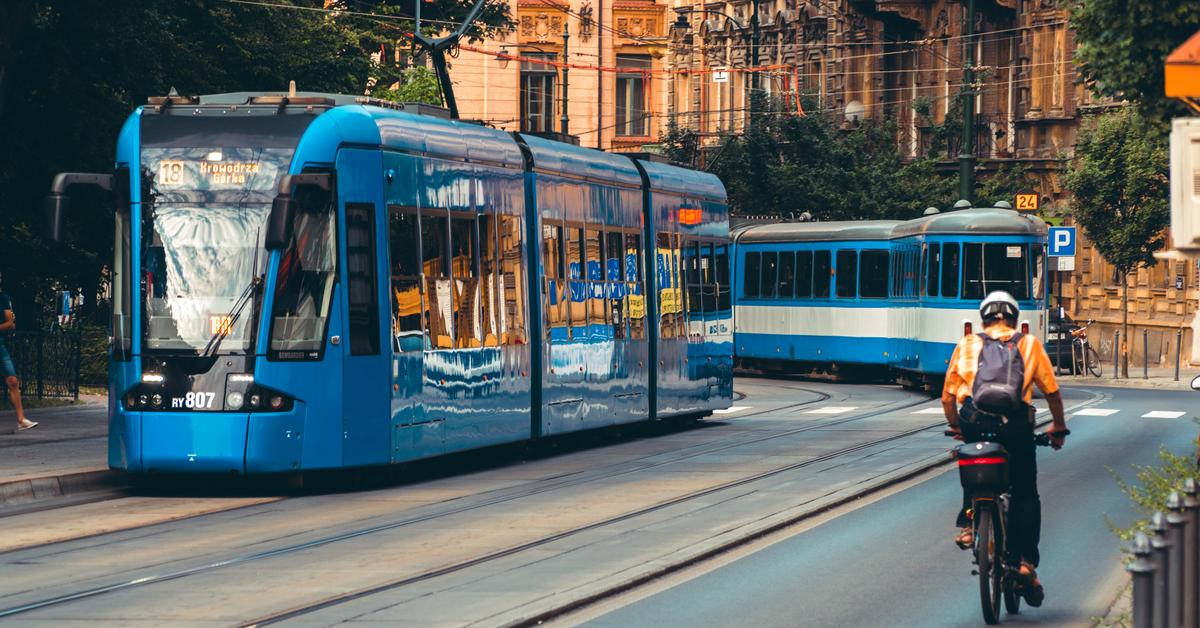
(313, 281)
(891, 296)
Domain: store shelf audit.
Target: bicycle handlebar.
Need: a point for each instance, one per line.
(1041, 439)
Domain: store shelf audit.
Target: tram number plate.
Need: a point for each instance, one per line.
(194, 401)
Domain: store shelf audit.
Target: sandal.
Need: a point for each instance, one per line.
(1031, 588)
(965, 538)
(26, 425)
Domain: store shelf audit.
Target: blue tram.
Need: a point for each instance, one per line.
(313, 281)
(886, 295)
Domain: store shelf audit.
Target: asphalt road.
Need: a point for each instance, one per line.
(892, 563)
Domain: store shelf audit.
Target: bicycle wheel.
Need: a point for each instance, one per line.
(1012, 596)
(987, 555)
(1093, 361)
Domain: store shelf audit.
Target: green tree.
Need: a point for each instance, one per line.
(1004, 183)
(417, 84)
(1120, 188)
(1121, 47)
(71, 71)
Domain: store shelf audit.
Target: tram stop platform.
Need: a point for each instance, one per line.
(66, 453)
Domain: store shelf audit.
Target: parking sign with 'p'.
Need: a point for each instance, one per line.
(1062, 241)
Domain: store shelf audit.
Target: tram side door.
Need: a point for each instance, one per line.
(366, 359)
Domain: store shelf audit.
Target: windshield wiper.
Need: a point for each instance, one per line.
(235, 312)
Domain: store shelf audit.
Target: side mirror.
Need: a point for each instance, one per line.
(1196, 383)
(284, 207)
(56, 209)
(58, 201)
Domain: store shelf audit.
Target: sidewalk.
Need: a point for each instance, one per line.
(67, 452)
(1159, 377)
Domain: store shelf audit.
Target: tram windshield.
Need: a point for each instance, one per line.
(203, 220)
(996, 266)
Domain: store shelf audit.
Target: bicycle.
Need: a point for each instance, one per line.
(983, 472)
(1084, 356)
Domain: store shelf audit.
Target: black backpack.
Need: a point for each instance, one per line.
(1000, 378)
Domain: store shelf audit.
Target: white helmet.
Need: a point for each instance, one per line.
(999, 303)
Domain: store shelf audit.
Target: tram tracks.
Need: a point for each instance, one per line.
(569, 480)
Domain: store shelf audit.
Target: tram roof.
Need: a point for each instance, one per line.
(818, 231)
(976, 220)
(669, 178)
(577, 161)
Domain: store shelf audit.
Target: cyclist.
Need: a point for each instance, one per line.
(999, 313)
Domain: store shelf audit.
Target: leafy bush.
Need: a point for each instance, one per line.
(1153, 485)
(93, 356)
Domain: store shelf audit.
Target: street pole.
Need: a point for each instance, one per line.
(754, 82)
(566, 35)
(966, 151)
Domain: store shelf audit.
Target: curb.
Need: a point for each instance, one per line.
(48, 487)
(1128, 383)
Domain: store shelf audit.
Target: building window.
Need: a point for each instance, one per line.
(537, 92)
(633, 83)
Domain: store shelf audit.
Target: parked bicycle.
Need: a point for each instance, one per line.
(983, 472)
(1084, 357)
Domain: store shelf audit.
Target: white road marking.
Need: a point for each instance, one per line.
(1097, 412)
(832, 410)
(732, 409)
(1162, 414)
(929, 411)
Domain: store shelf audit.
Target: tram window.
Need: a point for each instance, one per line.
(847, 274)
(770, 273)
(464, 263)
(804, 274)
(950, 264)
(554, 289)
(489, 287)
(787, 275)
(872, 277)
(921, 269)
(691, 258)
(304, 289)
(120, 285)
(822, 271)
(435, 262)
(667, 274)
(635, 298)
(751, 275)
(706, 263)
(404, 244)
(721, 260)
(362, 288)
(614, 259)
(576, 292)
(1039, 272)
(995, 266)
(933, 264)
(594, 289)
(512, 270)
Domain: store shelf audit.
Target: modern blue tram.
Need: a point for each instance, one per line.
(885, 295)
(314, 281)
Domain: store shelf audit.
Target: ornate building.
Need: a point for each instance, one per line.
(614, 69)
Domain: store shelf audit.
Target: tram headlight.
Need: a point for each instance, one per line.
(276, 402)
(255, 400)
(234, 400)
(142, 400)
(130, 401)
(157, 399)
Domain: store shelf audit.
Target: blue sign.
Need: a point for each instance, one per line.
(1062, 241)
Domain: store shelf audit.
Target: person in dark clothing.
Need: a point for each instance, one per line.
(7, 369)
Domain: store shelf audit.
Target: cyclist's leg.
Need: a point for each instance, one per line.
(1025, 508)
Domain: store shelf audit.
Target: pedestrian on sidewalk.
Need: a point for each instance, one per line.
(7, 369)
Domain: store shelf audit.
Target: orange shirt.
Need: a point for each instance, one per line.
(960, 377)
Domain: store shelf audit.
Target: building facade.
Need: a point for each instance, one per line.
(633, 66)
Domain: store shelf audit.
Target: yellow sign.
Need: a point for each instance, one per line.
(220, 325)
(1027, 202)
(227, 172)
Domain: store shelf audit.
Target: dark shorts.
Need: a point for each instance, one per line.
(6, 364)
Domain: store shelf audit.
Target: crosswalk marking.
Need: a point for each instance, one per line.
(929, 411)
(1162, 414)
(732, 409)
(1097, 412)
(832, 410)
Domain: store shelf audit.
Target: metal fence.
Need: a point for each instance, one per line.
(1166, 565)
(47, 362)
